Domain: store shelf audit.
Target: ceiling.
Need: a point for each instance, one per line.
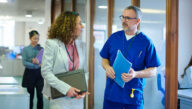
(16, 9)
(119, 5)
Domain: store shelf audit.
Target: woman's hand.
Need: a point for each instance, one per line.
(82, 95)
(35, 61)
(72, 92)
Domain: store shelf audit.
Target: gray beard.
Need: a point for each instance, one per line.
(125, 27)
(127, 30)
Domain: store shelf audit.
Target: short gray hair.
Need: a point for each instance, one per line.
(136, 9)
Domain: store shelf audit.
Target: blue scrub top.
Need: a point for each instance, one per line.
(142, 54)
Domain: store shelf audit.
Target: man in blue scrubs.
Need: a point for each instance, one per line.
(140, 51)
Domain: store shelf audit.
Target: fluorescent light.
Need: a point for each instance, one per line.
(3, 1)
(6, 17)
(40, 22)
(153, 11)
(102, 7)
(28, 14)
(1, 67)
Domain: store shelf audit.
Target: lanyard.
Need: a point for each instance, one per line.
(70, 57)
(125, 53)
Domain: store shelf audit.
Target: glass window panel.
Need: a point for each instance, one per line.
(1, 35)
(184, 43)
(80, 8)
(153, 25)
(67, 5)
(100, 35)
(7, 33)
(119, 6)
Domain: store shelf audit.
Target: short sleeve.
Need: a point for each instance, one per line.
(104, 53)
(151, 57)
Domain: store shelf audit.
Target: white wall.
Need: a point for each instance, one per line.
(22, 30)
(19, 33)
(7, 33)
(185, 35)
(47, 23)
(156, 33)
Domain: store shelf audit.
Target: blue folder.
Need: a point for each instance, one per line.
(121, 65)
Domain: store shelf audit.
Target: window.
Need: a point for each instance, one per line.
(7, 32)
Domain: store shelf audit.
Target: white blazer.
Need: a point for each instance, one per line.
(55, 61)
(187, 79)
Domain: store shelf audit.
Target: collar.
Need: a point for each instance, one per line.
(129, 36)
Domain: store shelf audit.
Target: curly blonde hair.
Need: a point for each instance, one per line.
(64, 26)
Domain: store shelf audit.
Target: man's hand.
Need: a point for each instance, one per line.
(128, 76)
(72, 92)
(110, 72)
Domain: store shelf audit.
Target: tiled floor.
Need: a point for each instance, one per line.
(45, 101)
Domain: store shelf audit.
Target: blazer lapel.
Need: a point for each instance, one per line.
(63, 52)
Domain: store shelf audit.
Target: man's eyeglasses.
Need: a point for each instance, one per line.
(126, 18)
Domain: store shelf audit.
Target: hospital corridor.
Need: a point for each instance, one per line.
(95, 54)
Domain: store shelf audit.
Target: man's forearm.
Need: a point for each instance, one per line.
(149, 72)
(105, 63)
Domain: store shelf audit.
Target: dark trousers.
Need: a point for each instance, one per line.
(32, 80)
(113, 105)
(39, 87)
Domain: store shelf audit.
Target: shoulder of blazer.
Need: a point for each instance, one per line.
(54, 42)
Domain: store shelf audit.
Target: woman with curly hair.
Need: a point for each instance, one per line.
(64, 53)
